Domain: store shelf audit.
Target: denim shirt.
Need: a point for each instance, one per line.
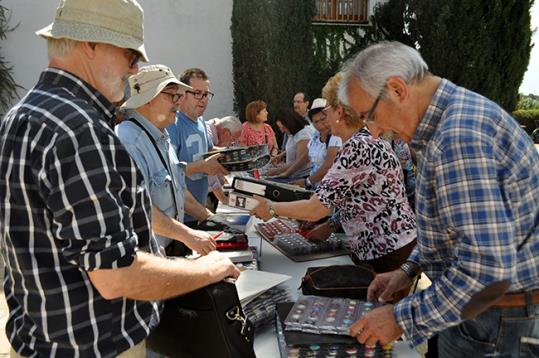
(159, 181)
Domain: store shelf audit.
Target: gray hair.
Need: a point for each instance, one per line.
(231, 123)
(59, 48)
(376, 63)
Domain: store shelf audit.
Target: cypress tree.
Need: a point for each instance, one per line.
(272, 51)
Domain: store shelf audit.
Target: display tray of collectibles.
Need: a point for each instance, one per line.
(239, 159)
(284, 236)
(227, 238)
(304, 344)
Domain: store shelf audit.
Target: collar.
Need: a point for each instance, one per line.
(81, 89)
(431, 119)
(155, 132)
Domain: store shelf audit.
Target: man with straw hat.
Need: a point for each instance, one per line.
(155, 93)
(75, 216)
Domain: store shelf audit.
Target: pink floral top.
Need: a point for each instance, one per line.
(250, 136)
(365, 184)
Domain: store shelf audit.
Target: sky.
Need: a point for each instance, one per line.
(530, 84)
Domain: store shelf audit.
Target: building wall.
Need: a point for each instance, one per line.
(178, 33)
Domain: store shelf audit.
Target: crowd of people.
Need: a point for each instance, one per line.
(421, 175)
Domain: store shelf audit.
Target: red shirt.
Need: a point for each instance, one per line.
(250, 136)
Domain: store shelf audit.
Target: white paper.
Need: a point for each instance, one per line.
(251, 283)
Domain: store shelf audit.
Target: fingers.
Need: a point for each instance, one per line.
(373, 292)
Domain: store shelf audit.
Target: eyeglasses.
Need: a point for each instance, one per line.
(369, 118)
(174, 96)
(322, 119)
(199, 94)
(133, 58)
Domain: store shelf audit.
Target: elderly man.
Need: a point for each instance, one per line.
(75, 214)
(477, 211)
(190, 137)
(150, 109)
(222, 132)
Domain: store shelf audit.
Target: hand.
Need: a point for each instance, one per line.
(278, 158)
(212, 166)
(376, 326)
(273, 172)
(298, 182)
(386, 284)
(218, 266)
(320, 232)
(201, 242)
(261, 211)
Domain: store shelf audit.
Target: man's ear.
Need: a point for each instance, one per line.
(88, 48)
(397, 89)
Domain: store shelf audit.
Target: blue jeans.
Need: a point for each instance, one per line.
(497, 332)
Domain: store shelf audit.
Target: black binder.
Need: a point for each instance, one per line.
(269, 189)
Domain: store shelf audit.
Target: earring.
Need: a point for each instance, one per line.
(338, 121)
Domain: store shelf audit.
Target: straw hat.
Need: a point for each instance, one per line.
(148, 83)
(115, 22)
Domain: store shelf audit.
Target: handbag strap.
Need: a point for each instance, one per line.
(152, 140)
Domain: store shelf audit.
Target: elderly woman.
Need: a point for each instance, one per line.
(365, 184)
(322, 148)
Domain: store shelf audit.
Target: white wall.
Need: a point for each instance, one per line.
(178, 33)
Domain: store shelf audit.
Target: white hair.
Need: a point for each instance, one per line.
(59, 47)
(376, 63)
(231, 123)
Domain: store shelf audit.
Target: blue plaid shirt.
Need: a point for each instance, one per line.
(477, 208)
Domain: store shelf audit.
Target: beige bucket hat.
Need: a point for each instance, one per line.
(115, 22)
(318, 105)
(148, 83)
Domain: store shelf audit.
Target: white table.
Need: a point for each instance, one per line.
(272, 260)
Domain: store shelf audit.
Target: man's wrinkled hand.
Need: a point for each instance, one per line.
(376, 326)
(218, 266)
(386, 284)
(201, 242)
(212, 165)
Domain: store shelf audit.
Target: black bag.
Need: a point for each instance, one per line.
(208, 322)
(347, 281)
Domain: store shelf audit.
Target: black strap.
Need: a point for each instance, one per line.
(133, 120)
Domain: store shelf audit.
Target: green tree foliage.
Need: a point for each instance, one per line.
(272, 51)
(529, 119)
(8, 87)
(481, 45)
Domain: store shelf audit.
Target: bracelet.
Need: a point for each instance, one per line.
(271, 211)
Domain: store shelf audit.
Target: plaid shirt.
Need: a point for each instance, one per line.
(71, 201)
(477, 208)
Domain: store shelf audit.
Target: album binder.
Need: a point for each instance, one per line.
(269, 189)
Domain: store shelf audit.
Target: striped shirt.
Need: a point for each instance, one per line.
(477, 202)
(71, 201)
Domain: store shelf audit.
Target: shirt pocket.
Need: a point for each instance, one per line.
(161, 191)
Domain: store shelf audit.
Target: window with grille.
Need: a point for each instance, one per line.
(341, 11)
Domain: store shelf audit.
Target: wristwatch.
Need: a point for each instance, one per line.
(271, 211)
(308, 184)
(410, 269)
